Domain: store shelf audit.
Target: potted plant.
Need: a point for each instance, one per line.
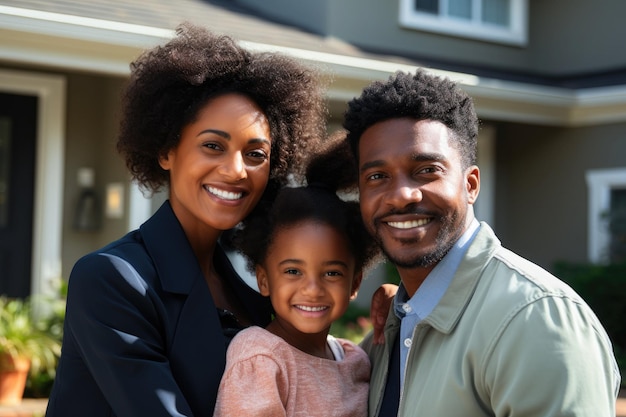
(25, 346)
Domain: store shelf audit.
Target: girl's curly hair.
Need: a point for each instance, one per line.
(330, 170)
(420, 96)
(170, 83)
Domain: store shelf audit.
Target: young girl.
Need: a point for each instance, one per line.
(309, 251)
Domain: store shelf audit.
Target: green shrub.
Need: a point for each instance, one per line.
(39, 384)
(353, 325)
(603, 287)
(22, 335)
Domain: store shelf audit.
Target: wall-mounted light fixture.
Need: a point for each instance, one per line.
(114, 207)
(88, 215)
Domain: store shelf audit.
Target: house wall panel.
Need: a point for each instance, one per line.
(577, 37)
(542, 196)
(92, 120)
(563, 40)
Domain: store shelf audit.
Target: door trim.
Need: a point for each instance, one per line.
(49, 172)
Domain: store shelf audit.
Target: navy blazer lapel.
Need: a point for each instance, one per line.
(178, 267)
(174, 260)
(199, 348)
(197, 352)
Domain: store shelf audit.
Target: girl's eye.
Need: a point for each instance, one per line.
(292, 271)
(334, 274)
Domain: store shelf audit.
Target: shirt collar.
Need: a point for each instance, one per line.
(436, 283)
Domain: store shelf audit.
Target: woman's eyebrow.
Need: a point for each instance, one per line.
(221, 133)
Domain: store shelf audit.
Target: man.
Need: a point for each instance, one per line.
(474, 330)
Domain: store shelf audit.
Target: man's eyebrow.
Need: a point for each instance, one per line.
(423, 157)
(417, 157)
(371, 164)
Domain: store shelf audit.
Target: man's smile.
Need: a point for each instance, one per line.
(409, 224)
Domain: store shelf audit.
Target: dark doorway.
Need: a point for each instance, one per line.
(18, 127)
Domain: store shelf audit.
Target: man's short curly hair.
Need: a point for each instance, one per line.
(420, 96)
(170, 83)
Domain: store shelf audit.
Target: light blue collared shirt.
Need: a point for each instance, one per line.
(414, 310)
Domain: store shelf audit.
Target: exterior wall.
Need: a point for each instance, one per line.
(567, 39)
(376, 27)
(310, 15)
(563, 39)
(92, 120)
(541, 192)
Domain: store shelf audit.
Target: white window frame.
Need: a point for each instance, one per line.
(515, 34)
(600, 182)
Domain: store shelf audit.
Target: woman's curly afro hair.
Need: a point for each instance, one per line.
(420, 96)
(170, 83)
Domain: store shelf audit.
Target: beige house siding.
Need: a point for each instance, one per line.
(92, 119)
(564, 39)
(542, 194)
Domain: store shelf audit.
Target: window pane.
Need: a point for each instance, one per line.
(427, 6)
(617, 225)
(496, 12)
(460, 8)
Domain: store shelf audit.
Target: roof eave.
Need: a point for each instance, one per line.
(73, 42)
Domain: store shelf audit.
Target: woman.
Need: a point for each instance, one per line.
(149, 316)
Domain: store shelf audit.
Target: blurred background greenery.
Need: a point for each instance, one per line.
(603, 287)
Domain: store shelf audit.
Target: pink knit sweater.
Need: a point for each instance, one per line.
(265, 376)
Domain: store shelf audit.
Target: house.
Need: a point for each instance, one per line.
(548, 79)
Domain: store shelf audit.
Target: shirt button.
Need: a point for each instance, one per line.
(407, 308)
(407, 342)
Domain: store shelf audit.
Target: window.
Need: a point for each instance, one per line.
(616, 218)
(502, 21)
(607, 215)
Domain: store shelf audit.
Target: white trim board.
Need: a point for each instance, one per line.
(49, 172)
(599, 185)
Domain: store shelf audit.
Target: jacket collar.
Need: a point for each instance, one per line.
(449, 310)
(447, 313)
(170, 251)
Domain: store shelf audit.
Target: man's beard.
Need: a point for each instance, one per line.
(447, 236)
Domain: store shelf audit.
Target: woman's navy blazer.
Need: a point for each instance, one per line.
(142, 335)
